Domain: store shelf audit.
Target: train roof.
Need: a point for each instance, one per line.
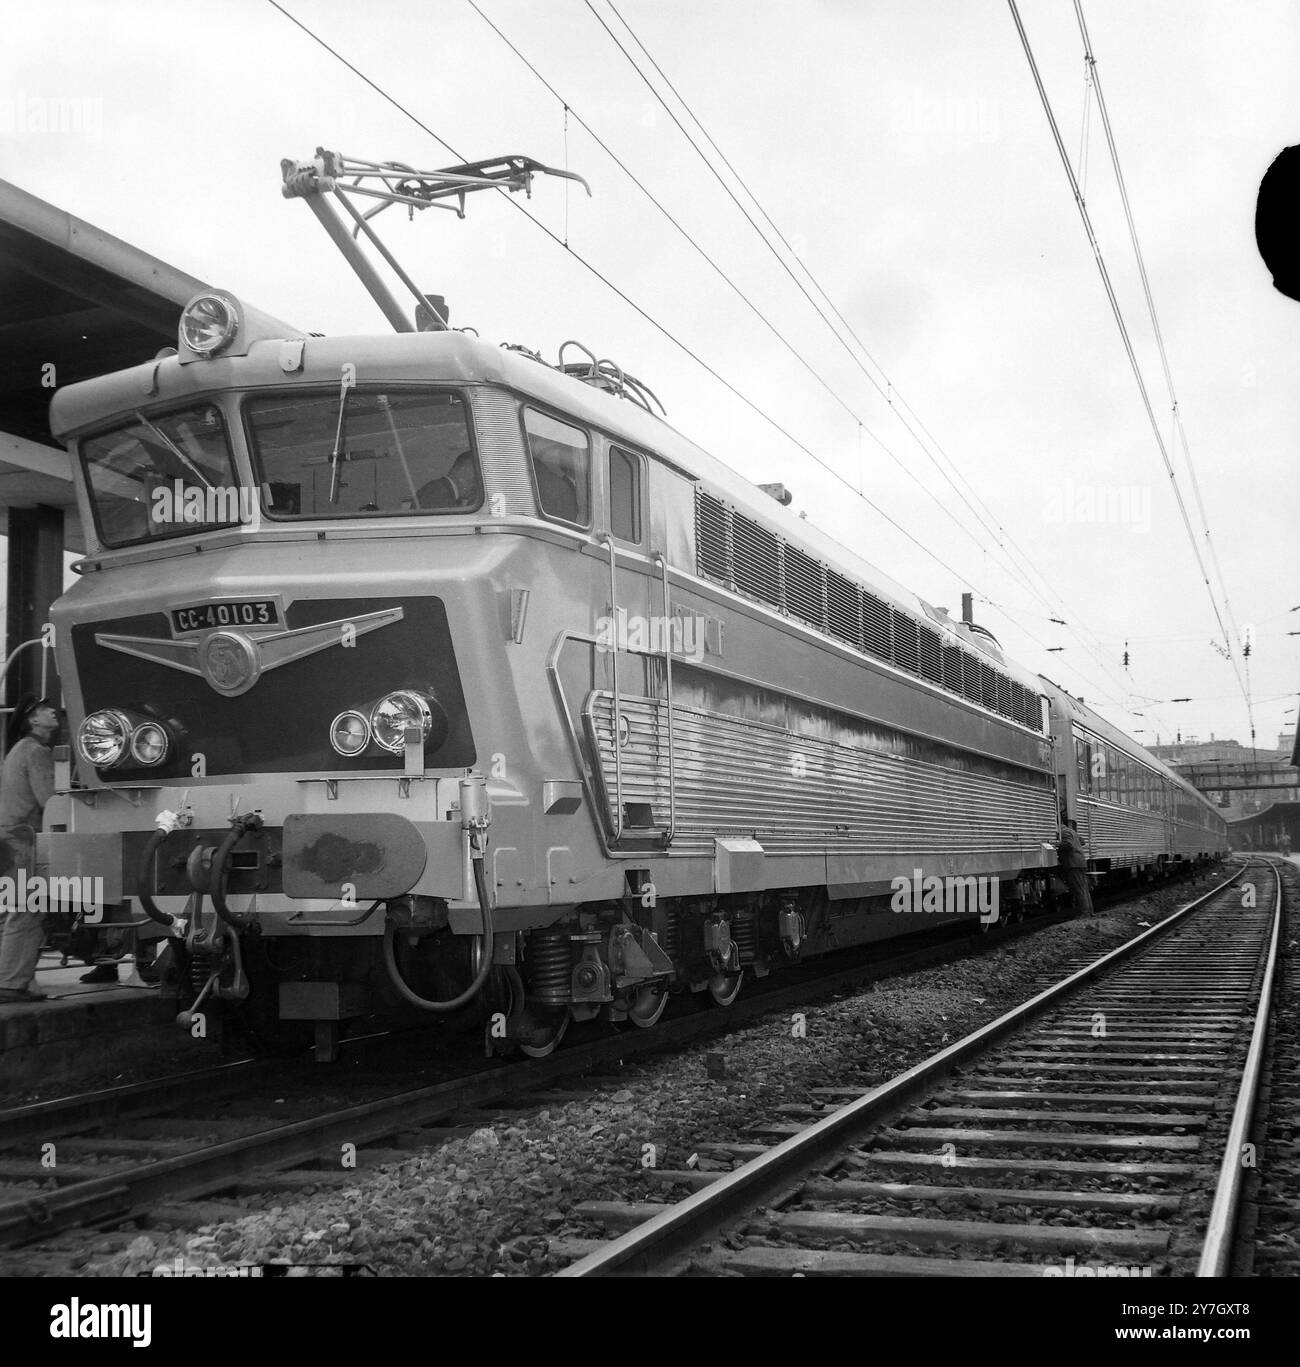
(451, 357)
(1079, 710)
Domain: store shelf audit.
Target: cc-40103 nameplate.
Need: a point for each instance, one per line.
(225, 612)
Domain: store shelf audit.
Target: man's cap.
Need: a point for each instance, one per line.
(22, 713)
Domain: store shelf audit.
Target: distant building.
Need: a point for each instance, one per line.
(1235, 804)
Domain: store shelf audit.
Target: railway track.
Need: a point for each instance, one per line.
(161, 1150)
(1095, 1130)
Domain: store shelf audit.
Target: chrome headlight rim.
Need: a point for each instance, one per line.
(419, 704)
(136, 736)
(103, 716)
(227, 324)
(366, 728)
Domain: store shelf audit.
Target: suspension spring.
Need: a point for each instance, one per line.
(744, 931)
(550, 965)
(671, 941)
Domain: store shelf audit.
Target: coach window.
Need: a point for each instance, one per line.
(561, 456)
(624, 494)
(1081, 774)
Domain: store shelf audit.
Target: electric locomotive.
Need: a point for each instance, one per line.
(412, 673)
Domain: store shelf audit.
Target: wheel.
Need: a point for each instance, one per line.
(547, 1034)
(724, 988)
(647, 1005)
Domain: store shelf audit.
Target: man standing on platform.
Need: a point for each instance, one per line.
(26, 785)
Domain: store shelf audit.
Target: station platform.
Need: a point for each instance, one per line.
(81, 1029)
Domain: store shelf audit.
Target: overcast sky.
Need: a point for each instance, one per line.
(900, 147)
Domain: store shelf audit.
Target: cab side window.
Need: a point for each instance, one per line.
(624, 494)
(561, 457)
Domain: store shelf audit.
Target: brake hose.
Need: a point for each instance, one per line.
(488, 941)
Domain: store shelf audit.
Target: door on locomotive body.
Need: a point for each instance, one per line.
(622, 485)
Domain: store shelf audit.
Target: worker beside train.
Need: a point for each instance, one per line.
(26, 784)
(1074, 868)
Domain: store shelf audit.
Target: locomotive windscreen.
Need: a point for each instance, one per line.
(363, 454)
(166, 475)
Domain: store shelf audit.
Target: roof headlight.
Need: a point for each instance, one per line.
(392, 714)
(150, 743)
(350, 733)
(102, 739)
(208, 323)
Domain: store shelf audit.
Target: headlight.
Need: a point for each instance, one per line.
(390, 717)
(103, 737)
(208, 323)
(150, 743)
(349, 733)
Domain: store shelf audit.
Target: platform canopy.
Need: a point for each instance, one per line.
(78, 300)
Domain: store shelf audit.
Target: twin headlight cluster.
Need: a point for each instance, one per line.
(386, 721)
(111, 737)
(107, 738)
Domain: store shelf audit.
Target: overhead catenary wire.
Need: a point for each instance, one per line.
(643, 313)
(1103, 113)
(861, 425)
(884, 385)
(1117, 311)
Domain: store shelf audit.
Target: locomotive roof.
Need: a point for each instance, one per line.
(458, 358)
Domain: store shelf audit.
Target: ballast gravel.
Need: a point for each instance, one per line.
(491, 1203)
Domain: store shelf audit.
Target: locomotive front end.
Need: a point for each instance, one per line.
(265, 666)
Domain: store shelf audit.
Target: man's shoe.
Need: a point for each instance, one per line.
(101, 973)
(16, 994)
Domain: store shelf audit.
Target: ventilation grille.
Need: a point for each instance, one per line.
(756, 562)
(843, 608)
(803, 588)
(712, 537)
(740, 553)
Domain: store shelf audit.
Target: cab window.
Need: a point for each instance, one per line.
(363, 453)
(624, 494)
(561, 458)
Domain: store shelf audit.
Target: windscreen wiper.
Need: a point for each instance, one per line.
(338, 455)
(175, 450)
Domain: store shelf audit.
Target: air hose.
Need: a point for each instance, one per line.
(487, 942)
(239, 827)
(144, 876)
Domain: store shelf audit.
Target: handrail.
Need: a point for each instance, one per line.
(617, 833)
(668, 681)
